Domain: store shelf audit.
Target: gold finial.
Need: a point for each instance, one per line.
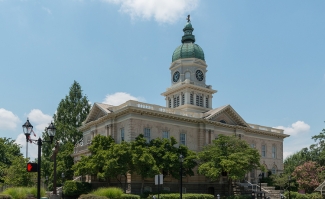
(188, 18)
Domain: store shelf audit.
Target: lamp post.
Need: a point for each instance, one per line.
(181, 159)
(260, 176)
(289, 178)
(28, 128)
(62, 175)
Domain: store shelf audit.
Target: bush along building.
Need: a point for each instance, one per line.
(189, 117)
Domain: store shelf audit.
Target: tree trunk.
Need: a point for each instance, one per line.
(229, 186)
(125, 182)
(142, 183)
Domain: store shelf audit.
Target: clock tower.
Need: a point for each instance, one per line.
(188, 90)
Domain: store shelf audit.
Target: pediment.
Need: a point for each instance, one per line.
(225, 114)
(97, 111)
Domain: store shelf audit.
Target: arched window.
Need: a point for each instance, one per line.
(274, 169)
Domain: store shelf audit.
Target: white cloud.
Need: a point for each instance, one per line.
(163, 11)
(295, 128)
(47, 10)
(119, 98)
(39, 120)
(8, 120)
(298, 132)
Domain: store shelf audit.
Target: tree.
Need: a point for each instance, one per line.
(95, 163)
(142, 159)
(71, 112)
(8, 150)
(309, 175)
(16, 174)
(229, 155)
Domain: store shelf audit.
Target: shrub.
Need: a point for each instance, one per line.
(239, 197)
(74, 188)
(5, 196)
(22, 192)
(91, 196)
(296, 195)
(186, 196)
(130, 196)
(111, 192)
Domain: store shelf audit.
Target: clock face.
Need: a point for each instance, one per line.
(176, 76)
(199, 75)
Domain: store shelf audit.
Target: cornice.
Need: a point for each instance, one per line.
(158, 114)
(188, 85)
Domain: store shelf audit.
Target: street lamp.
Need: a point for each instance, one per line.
(28, 128)
(260, 176)
(289, 178)
(181, 159)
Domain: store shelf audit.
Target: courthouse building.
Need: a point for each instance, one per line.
(189, 116)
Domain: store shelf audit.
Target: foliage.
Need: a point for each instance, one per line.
(70, 113)
(8, 150)
(5, 196)
(91, 196)
(22, 192)
(296, 195)
(167, 157)
(237, 197)
(309, 175)
(16, 175)
(130, 196)
(281, 180)
(186, 196)
(94, 164)
(74, 188)
(111, 192)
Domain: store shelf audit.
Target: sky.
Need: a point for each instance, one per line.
(265, 58)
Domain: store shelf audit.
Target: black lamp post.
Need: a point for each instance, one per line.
(28, 128)
(289, 178)
(260, 176)
(62, 175)
(181, 159)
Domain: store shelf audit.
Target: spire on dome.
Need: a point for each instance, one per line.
(188, 29)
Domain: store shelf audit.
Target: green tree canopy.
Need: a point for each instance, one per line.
(228, 154)
(8, 150)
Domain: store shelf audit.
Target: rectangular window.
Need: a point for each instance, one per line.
(197, 100)
(169, 103)
(191, 99)
(183, 99)
(182, 139)
(273, 151)
(122, 134)
(207, 102)
(253, 145)
(201, 101)
(165, 134)
(146, 134)
(263, 151)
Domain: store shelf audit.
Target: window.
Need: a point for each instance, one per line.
(197, 100)
(165, 134)
(273, 151)
(122, 134)
(183, 99)
(176, 101)
(147, 189)
(182, 139)
(274, 170)
(191, 99)
(253, 146)
(147, 134)
(201, 101)
(263, 150)
(169, 103)
(207, 102)
(223, 121)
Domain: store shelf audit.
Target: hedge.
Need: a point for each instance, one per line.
(185, 196)
(74, 188)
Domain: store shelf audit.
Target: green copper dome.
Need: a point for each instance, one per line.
(188, 49)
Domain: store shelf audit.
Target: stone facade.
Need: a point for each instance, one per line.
(189, 117)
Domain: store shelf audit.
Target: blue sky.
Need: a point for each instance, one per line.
(265, 58)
